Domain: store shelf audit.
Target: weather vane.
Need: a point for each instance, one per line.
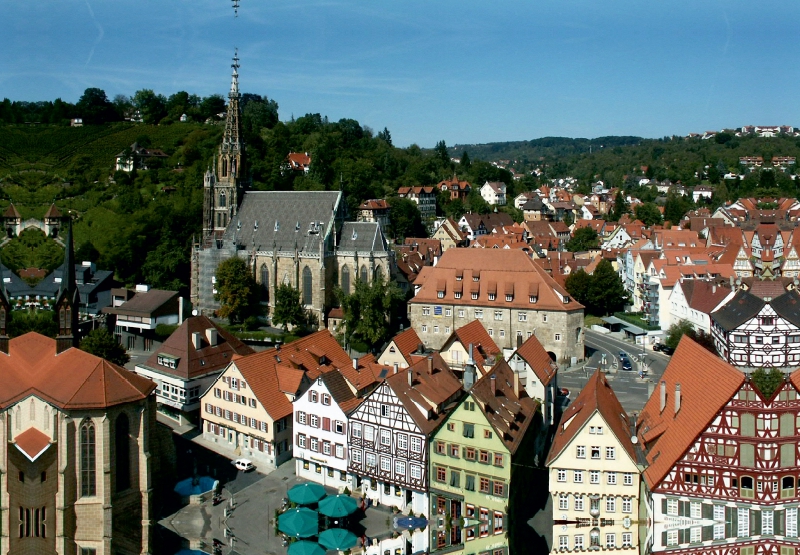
(236, 7)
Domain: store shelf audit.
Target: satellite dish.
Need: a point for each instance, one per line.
(634, 440)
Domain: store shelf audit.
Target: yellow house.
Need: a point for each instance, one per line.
(400, 348)
(594, 478)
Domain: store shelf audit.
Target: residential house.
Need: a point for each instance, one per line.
(535, 209)
(187, 363)
(137, 312)
(760, 327)
(720, 462)
(701, 192)
(449, 234)
(138, 157)
(470, 345)
(297, 162)
(522, 198)
(423, 197)
(693, 300)
(375, 210)
(390, 431)
(494, 193)
(594, 476)
(537, 373)
(474, 457)
(458, 189)
(400, 349)
(503, 289)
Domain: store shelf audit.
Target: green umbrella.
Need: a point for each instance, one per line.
(337, 538)
(306, 493)
(299, 523)
(306, 548)
(338, 506)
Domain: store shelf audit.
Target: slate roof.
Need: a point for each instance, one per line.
(741, 308)
(143, 303)
(788, 306)
(12, 212)
(362, 237)
(195, 362)
(284, 219)
(73, 379)
(707, 384)
(509, 413)
(596, 396)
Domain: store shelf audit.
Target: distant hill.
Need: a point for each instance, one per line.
(533, 150)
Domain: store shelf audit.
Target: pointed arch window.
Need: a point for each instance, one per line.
(378, 274)
(62, 318)
(123, 451)
(222, 200)
(264, 282)
(68, 326)
(364, 274)
(224, 167)
(2, 319)
(346, 280)
(88, 460)
(307, 286)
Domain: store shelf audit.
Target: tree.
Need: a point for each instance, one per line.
(577, 284)
(152, 106)
(385, 136)
(94, 107)
(606, 293)
(405, 219)
(104, 344)
(684, 327)
(620, 208)
(288, 308)
(767, 382)
(648, 213)
(441, 152)
(237, 290)
(676, 207)
(465, 161)
(584, 239)
(369, 312)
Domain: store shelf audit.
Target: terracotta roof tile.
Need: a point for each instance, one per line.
(707, 384)
(537, 358)
(32, 443)
(407, 342)
(596, 396)
(484, 347)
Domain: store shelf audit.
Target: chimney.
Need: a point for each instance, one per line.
(515, 382)
(663, 396)
(355, 363)
(677, 397)
(196, 340)
(395, 368)
(430, 365)
(410, 374)
(470, 360)
(211, 335)
(420, 348)
(494, 384)
(180, 310)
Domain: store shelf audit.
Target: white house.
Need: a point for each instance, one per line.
(494, 193)
(537, 374)
(320, 430)
(693, 300)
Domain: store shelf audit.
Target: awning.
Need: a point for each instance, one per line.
(627, 326)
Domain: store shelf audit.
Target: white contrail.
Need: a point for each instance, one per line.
(100, 33)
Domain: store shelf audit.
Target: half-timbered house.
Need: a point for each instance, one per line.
(389, 433)
(722, 459)
(759, 330)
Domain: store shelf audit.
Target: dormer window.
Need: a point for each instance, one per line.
(509, 298)
(474, 295)
(457, 295)
(475, 278)
(459, 277)
(492, 296)
(440, 294)
(532, 299)
(168, 361)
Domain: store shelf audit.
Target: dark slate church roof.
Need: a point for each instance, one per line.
(741, 308)
(284, 219)
(362, 237)
(787, 306)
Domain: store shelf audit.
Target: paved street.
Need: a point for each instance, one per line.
(631, 390)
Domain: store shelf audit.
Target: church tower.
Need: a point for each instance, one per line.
(222, 187)
(68, 300)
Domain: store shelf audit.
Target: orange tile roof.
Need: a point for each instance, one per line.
(491, 266)
(537, 358)
(407, 342)
(83, 381)
(596, 396)
(32, 443)
(484, 347)
(707, 384)
(193, 362)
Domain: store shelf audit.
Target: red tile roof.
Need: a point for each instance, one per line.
(596, 396)
(406, 342)
(707, 384)
(484, 347)
(73, 379)
(537, 358)
(32, 443)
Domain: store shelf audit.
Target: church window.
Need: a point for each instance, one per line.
(346, 280)
(224, 167)
(364, 274)
(123, 458)
(307, 286)
(378, 274)
(62, 318)
(264, 282)
(222, 200)
(87, 460)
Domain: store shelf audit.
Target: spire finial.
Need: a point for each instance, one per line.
(235, 75)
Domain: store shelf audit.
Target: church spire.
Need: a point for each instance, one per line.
(68, 300)
(231, 140)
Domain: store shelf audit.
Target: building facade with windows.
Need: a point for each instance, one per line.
(594, 477)
(390, 429)
(472, 457)
(759, 331)
(506, 291)
(320, 430)
(722, 462)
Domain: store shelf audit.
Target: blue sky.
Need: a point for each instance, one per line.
(463, 71)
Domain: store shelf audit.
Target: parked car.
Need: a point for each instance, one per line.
(244, 465)
(623, 355)
(663, 348)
